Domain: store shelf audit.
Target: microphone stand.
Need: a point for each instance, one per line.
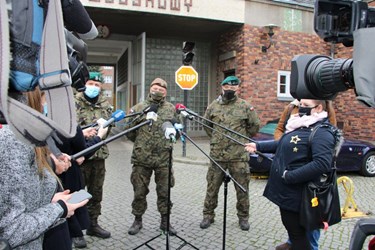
(231, 138)
(168, 210)
(219, 125)
(103, 142)
(227, 178)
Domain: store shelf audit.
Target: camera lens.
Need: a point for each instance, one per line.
(325, 76)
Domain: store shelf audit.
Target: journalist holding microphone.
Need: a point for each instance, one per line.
(151, 154)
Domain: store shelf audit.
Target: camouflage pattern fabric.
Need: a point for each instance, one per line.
(150, 153)
(238, 115)
(88, 113)
(93, 172)
(93, 169)
(241, 173)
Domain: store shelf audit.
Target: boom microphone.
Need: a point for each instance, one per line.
(116, 116)
(178, 126)
(181, 109)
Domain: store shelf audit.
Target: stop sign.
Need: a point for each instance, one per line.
(186, 77)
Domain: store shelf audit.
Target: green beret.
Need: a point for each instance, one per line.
(96, 76)
(231, 80)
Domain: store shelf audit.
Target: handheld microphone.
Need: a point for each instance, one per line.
(169, 131)
(178, 126)
(152, 116)
(116, 116)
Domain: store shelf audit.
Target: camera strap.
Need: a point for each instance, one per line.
(26, 123)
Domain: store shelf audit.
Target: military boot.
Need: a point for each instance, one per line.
(244, 224)
(136, 227)
(163, 225)
(95, 230)
(206, 222)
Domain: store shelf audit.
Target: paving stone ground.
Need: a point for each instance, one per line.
(266, 230)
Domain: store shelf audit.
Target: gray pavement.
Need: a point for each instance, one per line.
(266, 229)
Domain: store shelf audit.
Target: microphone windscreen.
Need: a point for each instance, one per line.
(179, 107)
(118, 115)
(153, 107)
(76, 18)
(174, 121)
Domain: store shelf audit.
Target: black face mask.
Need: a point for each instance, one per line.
(304, 111)
(229, 94)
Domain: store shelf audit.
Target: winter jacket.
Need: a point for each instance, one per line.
(302, 161)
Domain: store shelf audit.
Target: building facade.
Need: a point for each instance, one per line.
(143, 40)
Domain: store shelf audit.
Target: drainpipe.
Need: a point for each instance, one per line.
(332, 50)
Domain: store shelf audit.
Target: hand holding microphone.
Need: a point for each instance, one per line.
(102, 131)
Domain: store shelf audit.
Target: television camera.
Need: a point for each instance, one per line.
(322, 77)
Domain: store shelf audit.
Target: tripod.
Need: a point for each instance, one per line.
(168, 212)
(227, 178)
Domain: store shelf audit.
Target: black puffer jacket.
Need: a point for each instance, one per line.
(303, 162)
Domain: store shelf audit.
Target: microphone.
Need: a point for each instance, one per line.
(116, 116)
(169, 131)
(178, 126)
(152, 116)
(185, 112)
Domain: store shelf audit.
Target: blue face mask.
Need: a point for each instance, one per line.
(92, 91)
(45, 109)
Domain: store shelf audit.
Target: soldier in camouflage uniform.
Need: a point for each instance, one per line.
(236, 114)
(91, 106)
(151, 154)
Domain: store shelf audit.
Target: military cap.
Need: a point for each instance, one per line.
(160, 82)
(231, 80)
(96, 76)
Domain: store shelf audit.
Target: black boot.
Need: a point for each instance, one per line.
(95, 230)
(163, 225)
(136, 227)
(244, 224)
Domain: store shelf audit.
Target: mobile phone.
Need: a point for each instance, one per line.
(79, 196)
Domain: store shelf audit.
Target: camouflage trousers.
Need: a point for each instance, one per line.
(140, 178)
(215, 177)
(93, 172)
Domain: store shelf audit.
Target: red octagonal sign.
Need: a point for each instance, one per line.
(186, 77)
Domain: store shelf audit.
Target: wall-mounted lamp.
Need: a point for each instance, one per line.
(268, 29)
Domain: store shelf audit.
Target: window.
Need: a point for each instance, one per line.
(283, 86)
(107, 79)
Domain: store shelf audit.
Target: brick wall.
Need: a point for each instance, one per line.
(258, 73)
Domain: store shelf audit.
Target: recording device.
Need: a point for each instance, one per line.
(322, 77)
(116, 116)
(77, 53)
(79, 196)
(185, 112)
(151, 114)
(169, 131)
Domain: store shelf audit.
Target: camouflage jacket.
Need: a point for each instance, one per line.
(88, 113)
(150, 145)
(236, 114)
